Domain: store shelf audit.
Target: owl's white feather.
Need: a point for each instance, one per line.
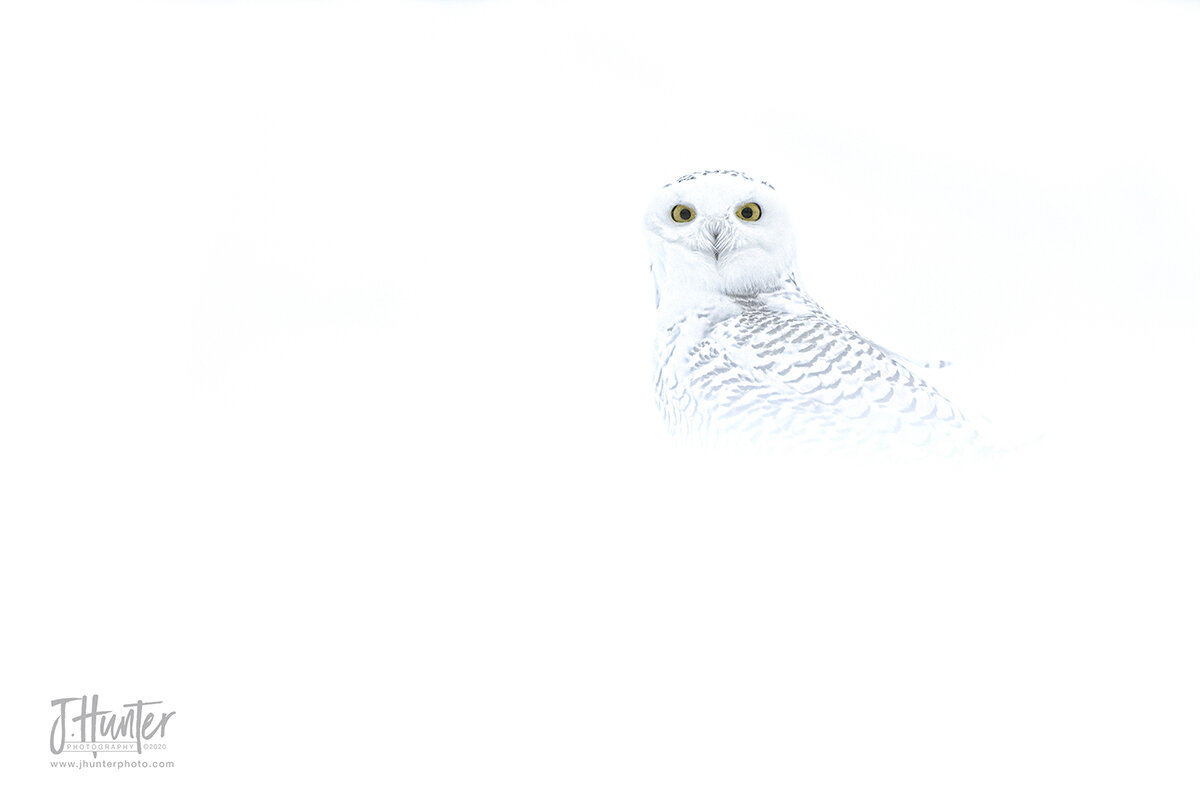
(743, 351)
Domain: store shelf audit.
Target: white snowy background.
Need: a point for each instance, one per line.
(327, 418)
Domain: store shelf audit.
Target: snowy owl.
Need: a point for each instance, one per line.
(742, 351)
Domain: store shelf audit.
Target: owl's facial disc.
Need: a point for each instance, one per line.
(719, 231)
(715, 233)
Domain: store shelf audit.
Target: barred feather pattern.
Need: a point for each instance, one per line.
(777, 366)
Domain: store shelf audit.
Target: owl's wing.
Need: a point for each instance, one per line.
(808, 375)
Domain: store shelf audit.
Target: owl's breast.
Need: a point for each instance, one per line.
(683, 348)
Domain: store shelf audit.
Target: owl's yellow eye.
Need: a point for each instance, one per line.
(682, 214)
(749, 212)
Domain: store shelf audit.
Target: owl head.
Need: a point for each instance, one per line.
(719, 232)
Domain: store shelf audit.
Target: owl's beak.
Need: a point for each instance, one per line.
(718, 238)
